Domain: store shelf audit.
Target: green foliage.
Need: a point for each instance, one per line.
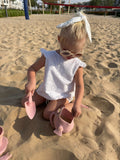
(12, 0)
(102, 2)
(34, 3)
(45, 12)
(11, 12)
(105, 13)
(2, 14)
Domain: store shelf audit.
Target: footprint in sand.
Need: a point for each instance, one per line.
(99, 130)
(3, 114)
(87, 85)
(89, 68)
(105, 71)
(1, 122)
(115, 76)
(19, 68)
(103, 105)
(96, 155)
(87, 89)
(116, 147)
(112, 65)
(21, 60)
(117, 98)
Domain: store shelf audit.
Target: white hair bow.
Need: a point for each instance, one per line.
(80, 17)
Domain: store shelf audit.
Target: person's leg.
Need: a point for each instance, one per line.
(53, 106)
(69, 106)
(37, 98)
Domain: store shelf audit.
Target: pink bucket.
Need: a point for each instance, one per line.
(3, 141)
(62, 120)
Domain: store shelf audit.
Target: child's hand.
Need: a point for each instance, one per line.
(76, 111)
(30, 87)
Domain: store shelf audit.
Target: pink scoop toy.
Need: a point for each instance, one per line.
(3, 141)
(3, 146)
(30, 107)
(6, 156)
(62, 120)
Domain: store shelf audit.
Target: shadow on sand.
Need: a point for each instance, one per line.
(38, 126)
(10, 96)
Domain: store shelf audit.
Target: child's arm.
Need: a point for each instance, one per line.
(76, 110)
(30, 86)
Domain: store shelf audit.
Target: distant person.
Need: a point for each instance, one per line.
(63, 78)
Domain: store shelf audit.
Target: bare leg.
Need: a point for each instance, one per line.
(69, 106)
(37, 98)
(52, 106)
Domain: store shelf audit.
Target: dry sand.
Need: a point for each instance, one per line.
(96, 135)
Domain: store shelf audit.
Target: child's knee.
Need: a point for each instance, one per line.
(46, 115)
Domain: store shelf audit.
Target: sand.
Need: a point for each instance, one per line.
(96, 135)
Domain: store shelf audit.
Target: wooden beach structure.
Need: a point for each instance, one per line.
(94, 8)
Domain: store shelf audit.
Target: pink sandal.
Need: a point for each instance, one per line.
(30, 107)
(3, 141)
(6, 156)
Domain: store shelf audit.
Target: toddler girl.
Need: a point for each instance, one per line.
(63, 77)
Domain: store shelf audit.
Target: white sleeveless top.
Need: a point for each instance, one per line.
(59, 76)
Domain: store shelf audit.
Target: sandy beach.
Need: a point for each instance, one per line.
(96, 135)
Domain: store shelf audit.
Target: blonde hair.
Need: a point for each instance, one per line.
(73, 32)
